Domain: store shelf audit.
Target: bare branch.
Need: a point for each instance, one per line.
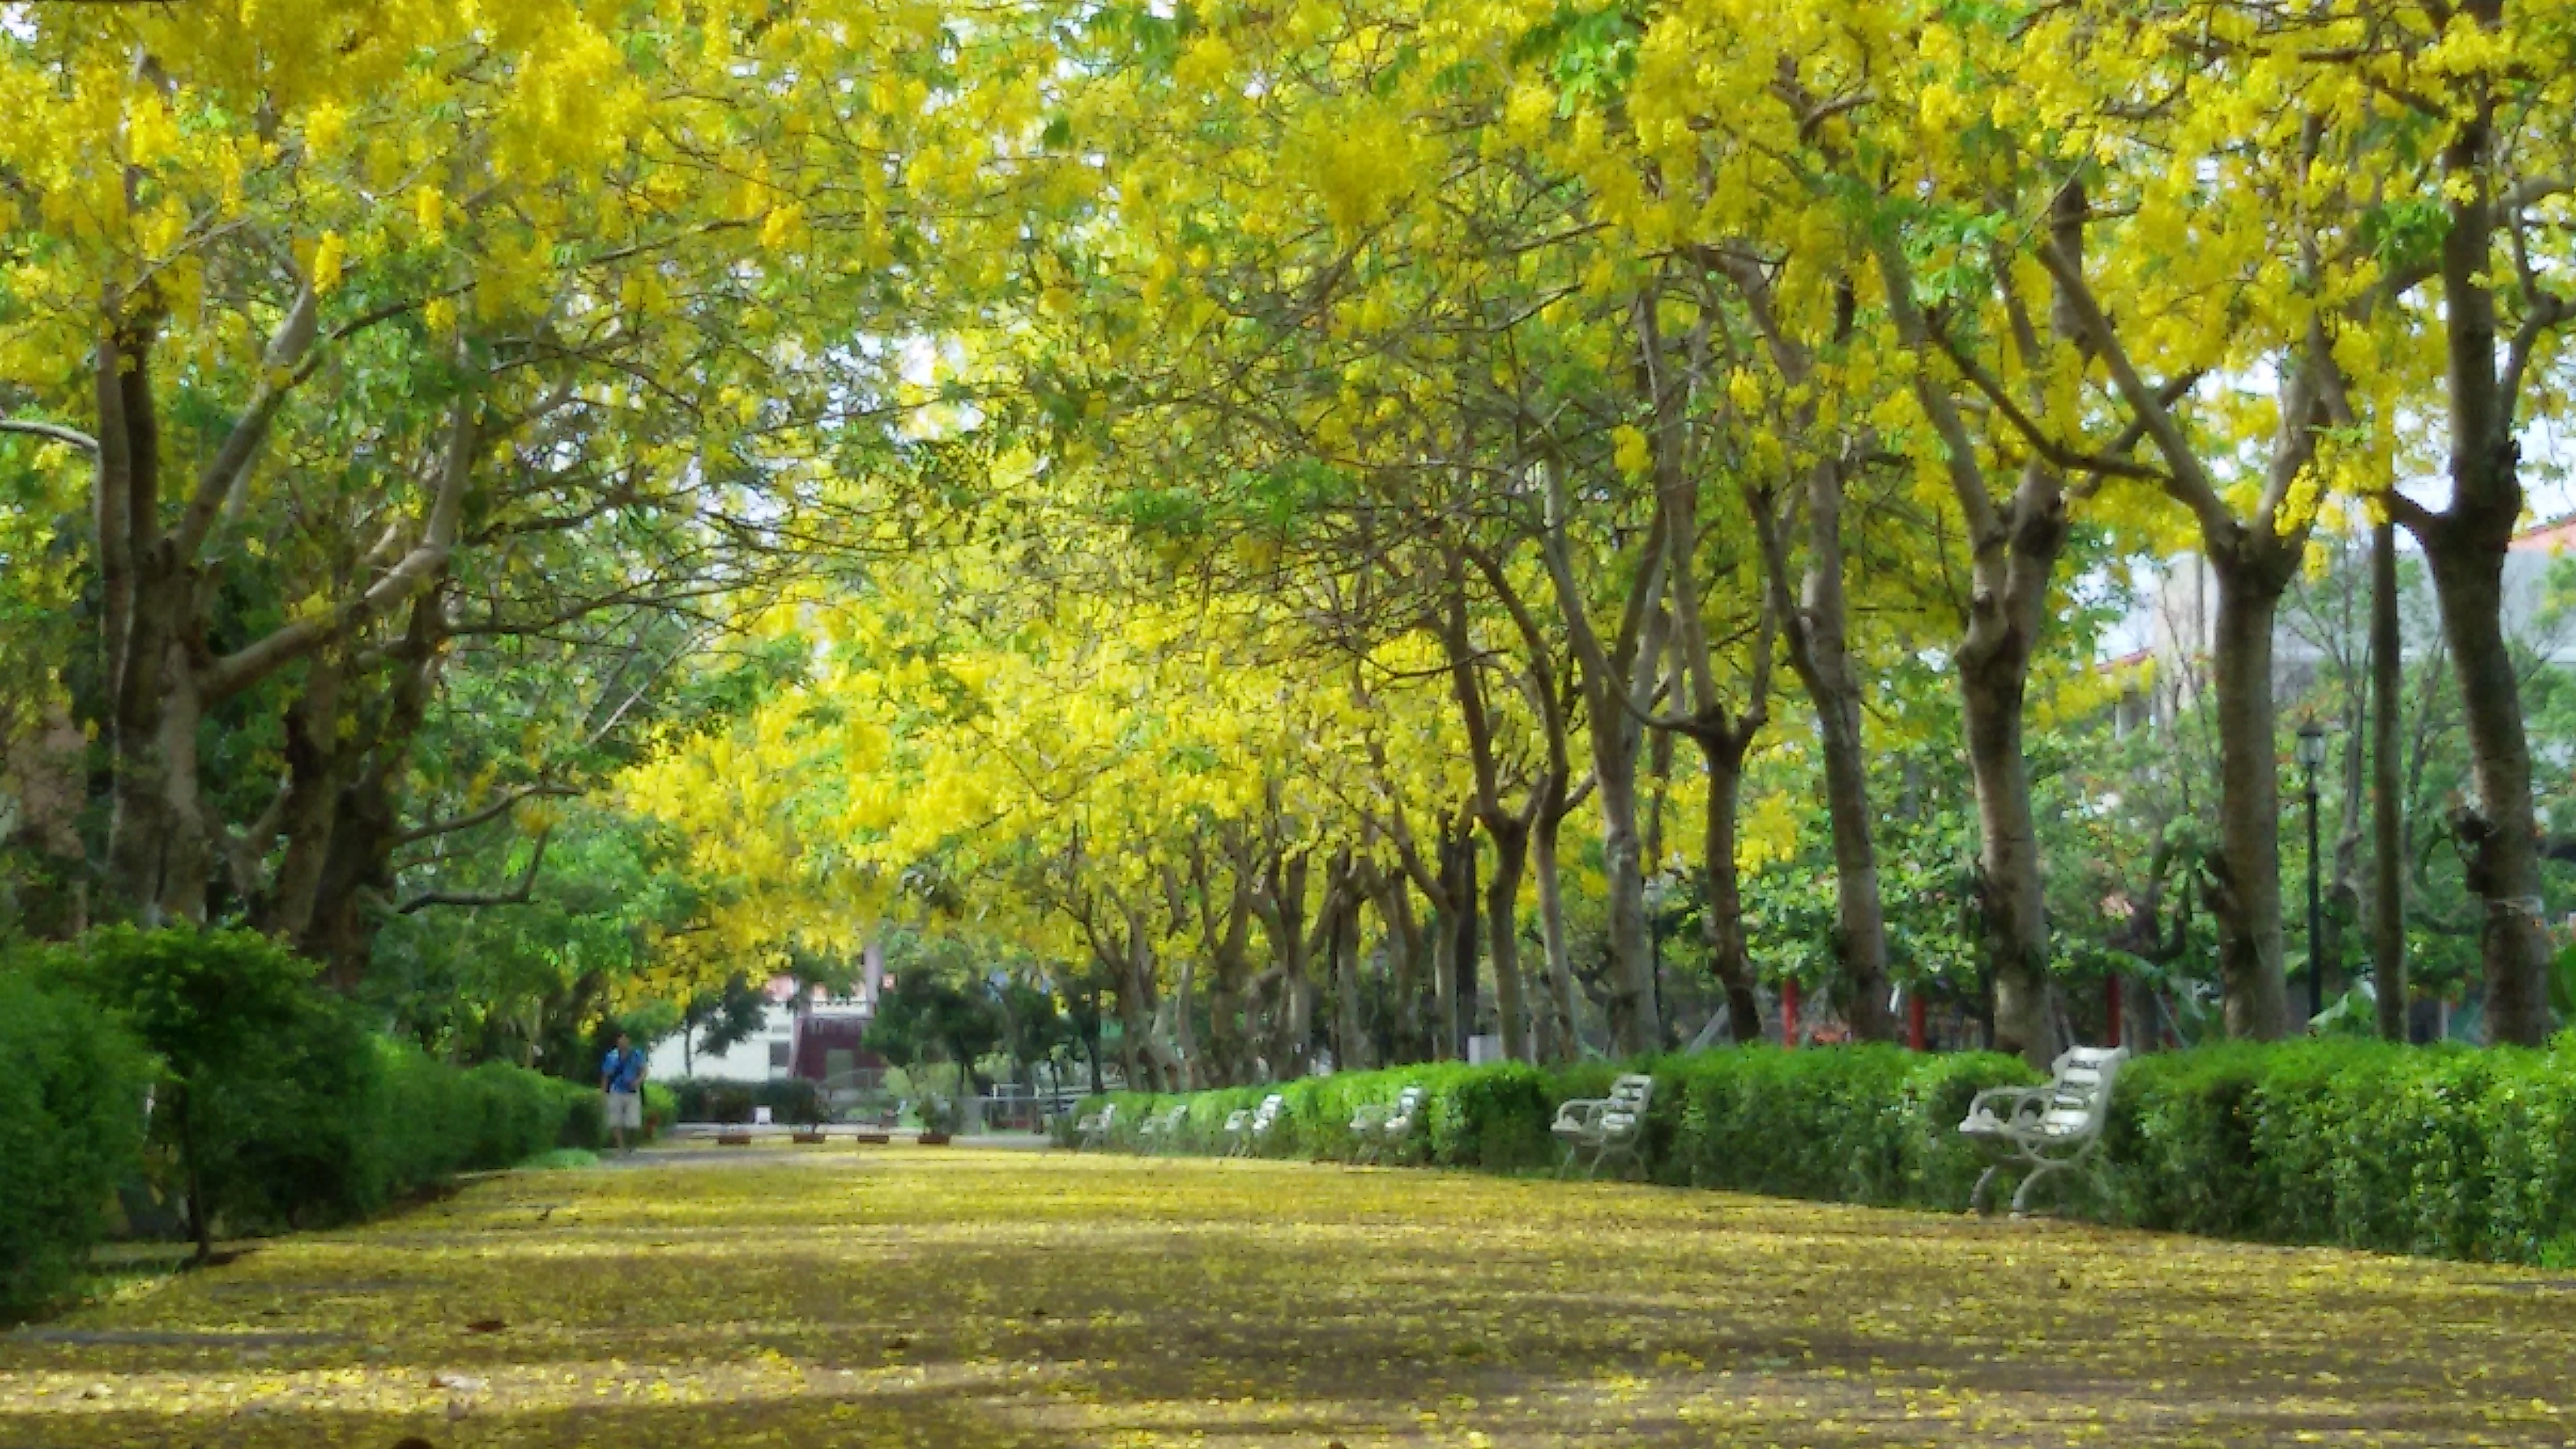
(518, 895)
(52, 433)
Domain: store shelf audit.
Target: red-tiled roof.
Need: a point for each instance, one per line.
(2555, 537)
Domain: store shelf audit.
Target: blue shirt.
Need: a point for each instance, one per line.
(623, 1069)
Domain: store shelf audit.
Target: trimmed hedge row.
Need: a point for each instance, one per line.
(71, 1126)
(2440, 1151)
(1858, 1124)
(162, 1060)
(716, 1099)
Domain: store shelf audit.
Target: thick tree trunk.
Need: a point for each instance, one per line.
(1229, 1046)
(1617, 678)
(1503, 926)
(1723, 919)
(356, 877)
(2465, 547)
(1350, 1028)
(1438, 1039)
(1567, 1032)
(1817, 629)
(1138, 1005)
(2387, 803)
(1860, 923)
(315, 776)
(1471, 939)
(1404, 1034)
(1282, 904)
(1631, 999)
(1455, 927)
(2245, 892)
(2498, 831)
(2013, 894)
(1185, 1030)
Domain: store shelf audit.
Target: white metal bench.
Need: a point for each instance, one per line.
(1093, 1131)
(1159, 1132)
(1382, 1128)
(1247, 1128)
(2048, 1129)
(1601, 1131)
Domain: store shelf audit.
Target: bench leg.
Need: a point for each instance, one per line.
(1979, 1201)
(2021, 1195)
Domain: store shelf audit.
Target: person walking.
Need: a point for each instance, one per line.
(621, 1077)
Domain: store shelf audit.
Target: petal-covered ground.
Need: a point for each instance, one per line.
(875, 1296)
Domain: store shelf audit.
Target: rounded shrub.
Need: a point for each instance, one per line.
(72, 1088)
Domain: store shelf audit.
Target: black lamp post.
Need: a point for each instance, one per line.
(2312, 753)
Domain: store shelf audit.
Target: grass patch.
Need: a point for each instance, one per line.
(560, 1159)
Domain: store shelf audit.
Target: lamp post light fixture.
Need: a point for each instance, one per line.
(2312, 753)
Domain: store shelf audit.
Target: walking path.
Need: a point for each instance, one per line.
(875, 1296)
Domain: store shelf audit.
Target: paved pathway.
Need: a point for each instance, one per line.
(905, 1296)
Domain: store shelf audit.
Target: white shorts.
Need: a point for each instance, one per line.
(626, 1109)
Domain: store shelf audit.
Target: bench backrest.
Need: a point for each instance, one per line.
(1626, 1112)
(1409, 1101)
(2079, 1090)
(1271, 1107)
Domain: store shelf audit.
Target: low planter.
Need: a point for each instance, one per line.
(733, 1139)
(873, 1138)
(807, 1138)
(934, 1139)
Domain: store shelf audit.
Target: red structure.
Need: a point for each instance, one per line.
(1788, 1013)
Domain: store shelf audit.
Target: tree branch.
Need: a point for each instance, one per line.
(518, 895)
(2189, 482)
(52, 433)
(493, 811)
(245, 667)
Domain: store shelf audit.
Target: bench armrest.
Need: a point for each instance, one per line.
(1580, 1114)
(1998, 1108)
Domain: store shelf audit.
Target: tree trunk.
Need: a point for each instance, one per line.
(1502, 921)
(1631, 998)
(2245, 893)
(1455, 928)
(1404, 1037)
(1441, 1033)
(1184, 1030)
(1816, 629)
(315, 776)
(1723, 919)
(365, 829)
(1617, 679)
(2013, 895)
(1860, 924)
(1566, 1032)
(2388, 863)
(1470, 939)
(1350, 1028)
(2498, 832)
(2464, 547)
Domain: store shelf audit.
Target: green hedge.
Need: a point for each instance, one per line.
(1859, 1124)
(2444, 1151)
(72, 1089)
(433, 1120)
(716, 1099)
(266, 1093)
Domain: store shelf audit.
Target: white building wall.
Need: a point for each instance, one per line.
(761, 1056)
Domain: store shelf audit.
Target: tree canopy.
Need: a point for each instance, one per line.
(1323, 532)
